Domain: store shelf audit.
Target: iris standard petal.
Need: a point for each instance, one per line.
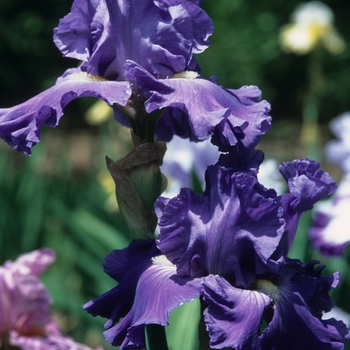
(20, 125)
(161, 35)
(231, 230)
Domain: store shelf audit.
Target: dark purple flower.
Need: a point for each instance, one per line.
(224, 246)
(160, 35)
(282, 310)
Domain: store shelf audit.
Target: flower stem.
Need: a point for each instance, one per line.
(156, 337)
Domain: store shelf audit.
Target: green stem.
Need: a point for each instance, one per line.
(156, 337)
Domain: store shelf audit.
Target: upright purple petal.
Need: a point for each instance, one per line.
(307, 185)
(20, 125)
(231, 230)
(162, 36)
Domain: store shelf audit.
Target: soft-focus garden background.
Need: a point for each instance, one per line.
(61, 196)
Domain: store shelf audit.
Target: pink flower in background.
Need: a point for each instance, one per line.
(25, 318)
(24, 300)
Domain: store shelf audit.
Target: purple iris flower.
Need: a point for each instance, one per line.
(139, 58)
(224, 246)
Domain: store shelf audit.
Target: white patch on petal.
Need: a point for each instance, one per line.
(187, 74)
(85, 76)
(162, 260)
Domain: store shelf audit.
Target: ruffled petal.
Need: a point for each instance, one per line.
(233, 315)
(150, 296)
(162, 36)
(20, 125)
(201, 109)
(231, 230)
(307, 185)
(307, 182)
(283, 311)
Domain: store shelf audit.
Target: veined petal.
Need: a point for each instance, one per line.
(231, 230)
(233, 315)
(201, 109)
(283, 311)
(150, 289)
(161, 35)
(20, 125)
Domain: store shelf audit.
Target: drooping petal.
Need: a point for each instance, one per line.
(233, 315)
(282, 312)
(201, 109)
(231, 230)
(20, 125)
(150, 289)
(161, 35)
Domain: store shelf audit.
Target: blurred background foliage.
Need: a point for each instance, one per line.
(59, 197)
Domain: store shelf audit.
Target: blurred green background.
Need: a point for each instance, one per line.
(56, 198)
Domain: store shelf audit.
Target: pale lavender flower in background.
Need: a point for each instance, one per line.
(330, 230)
(182, 158)
(25, 317)
(338, 151)
(270, 177)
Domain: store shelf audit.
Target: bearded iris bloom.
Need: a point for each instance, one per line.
(228, 247)
(128, 53)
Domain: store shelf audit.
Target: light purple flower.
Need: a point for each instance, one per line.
(224, 245)
(160, 35)
(338, 151)
(184, 159)
(330, 227)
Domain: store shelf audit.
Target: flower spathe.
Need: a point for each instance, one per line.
(225, 247)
